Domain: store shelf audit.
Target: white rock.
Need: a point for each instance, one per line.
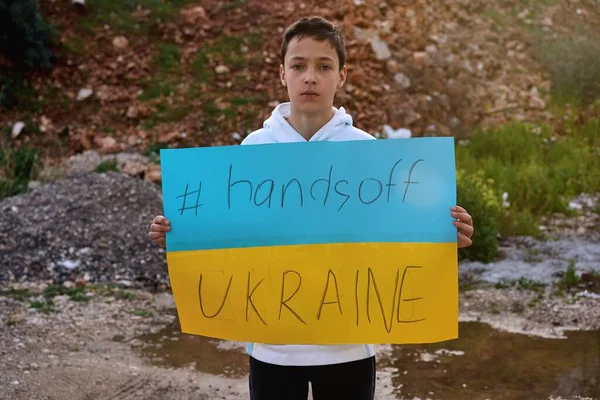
(222, 69)
(68, 264)
(17, 129)
(392, 133)
(84, 94)
(380, 48)
(79, 2)
(402, 80)
(236, 136)
(120, 42)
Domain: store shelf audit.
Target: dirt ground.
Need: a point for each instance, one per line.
(89, 344)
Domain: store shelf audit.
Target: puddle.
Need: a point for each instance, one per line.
(171, 348)
(489, 364)
(483, 364)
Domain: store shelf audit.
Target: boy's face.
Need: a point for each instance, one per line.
(312, 74)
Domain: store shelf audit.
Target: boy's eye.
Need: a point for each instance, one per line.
(325, 67)
(297, 67)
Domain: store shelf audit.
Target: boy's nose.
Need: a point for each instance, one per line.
(310, 77)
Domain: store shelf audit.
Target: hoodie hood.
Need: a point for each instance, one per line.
(276, 129)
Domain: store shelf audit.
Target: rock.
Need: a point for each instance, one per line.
(221, 69)
(392, 66)
(392, 133)
(84, 94)
(105, 142)
(133, 168)
(153, 173)
(17, 129)
(190, 16)
(120, 42)
(45, 124)
(83, 162)
(79, 2)
(536, 103)
(421, 59)
(132, 112)
(431, 49)
(402, 80)
(164, 301)
(380, 48)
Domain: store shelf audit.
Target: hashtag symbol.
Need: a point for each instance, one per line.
(185, 196)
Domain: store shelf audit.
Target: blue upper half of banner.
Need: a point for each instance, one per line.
(398, 190)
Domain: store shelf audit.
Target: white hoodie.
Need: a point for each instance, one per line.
(276, 129)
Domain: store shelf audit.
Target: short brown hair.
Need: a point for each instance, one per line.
(319, 29)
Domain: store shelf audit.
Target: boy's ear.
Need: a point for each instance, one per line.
(282, 74)
(343, 75)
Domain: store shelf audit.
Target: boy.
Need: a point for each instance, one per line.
(312, 69)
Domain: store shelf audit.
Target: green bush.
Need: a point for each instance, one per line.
(539, 171)
(477, 195)
(571, 61)
(17, 168)
(24, 35)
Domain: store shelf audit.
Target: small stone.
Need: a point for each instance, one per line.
(222, 69)
(431, 49)
(133, 168)
(190, 16)
(84, 94)
(421, 59)
(537, 103)
(380, 48)
(45, 123)
(120, 42)
(17, 129)
(132, 112)
(153, 173)
(402, 80)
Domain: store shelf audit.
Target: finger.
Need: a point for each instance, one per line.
(465, 229)
(463, 241)
(464, 217)
(155, 235)
(159, 228)
(161, 220)
(459, 209)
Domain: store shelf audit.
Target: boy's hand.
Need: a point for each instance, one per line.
(464, 223)
(160, 225)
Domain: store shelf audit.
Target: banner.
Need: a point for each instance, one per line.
(314, 243)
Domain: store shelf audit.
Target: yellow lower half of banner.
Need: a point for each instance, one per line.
(319, 294)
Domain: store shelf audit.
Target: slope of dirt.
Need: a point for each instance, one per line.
(208, 73)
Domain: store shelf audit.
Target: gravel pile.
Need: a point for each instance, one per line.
(89, 226)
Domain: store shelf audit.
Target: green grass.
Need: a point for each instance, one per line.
(75, 294)
(43, 307)
(570, 279)
(17, 167)
(165, 113)
(107, 166)
(539, 169)
(165, 74)
(140, 313)
(118, 14)
(18, 294)
(528, 284)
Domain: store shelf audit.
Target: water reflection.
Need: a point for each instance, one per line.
(482, 364)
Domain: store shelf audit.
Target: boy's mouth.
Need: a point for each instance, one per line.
(309, 93)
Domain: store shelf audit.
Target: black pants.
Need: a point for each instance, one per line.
(348, 381)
